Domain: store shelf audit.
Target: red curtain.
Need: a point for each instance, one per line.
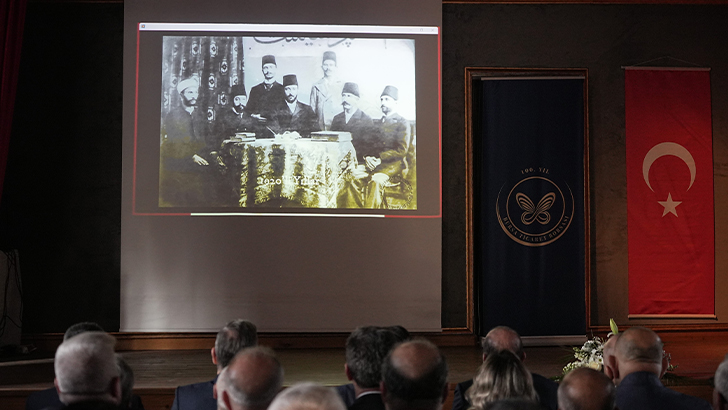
(12, 17)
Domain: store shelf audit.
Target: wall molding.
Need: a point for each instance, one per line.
(136, 341)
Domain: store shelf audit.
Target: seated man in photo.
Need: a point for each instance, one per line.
(294, 116)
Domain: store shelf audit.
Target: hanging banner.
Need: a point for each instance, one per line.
(532, 230)
(670, 192)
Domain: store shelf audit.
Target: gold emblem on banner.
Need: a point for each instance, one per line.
(532, 223)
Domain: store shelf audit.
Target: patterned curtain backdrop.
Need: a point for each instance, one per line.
(216, 62)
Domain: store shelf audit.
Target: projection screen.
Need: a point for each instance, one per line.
(281, 164)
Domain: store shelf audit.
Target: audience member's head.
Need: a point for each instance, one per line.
(720, 386)
(366, 349)
(235, 336)
(308, 396)
(513, 404)
(79, 328)
(126, 375)
(502, 338)
(401, 333)
(609, 359)
(586, 389)
(501, 376)
(638, 349)
(85, 367)
(414, 375)
(250, 381)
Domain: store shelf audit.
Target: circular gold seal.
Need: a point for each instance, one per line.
(536, 209)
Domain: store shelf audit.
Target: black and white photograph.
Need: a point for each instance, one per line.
(288, 122)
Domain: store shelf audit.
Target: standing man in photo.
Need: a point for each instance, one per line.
(326, 92)
(267, 97)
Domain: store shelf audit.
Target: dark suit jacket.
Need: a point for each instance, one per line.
(545, 388)
(346, 391)
(392, 144)
(361, 127)
(371, 401)
(302, 120)
(645, 391)
(196, 396)
(48, 399)
(266, 102)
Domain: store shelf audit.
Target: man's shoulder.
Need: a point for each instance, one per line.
(368, 402)
(462, 386)
(396, 118)
(361, 115)
(43, 399)
(304, 107)
(195, 387)
(196, 396)
(257, 88)
(638, 390)
(91, 405)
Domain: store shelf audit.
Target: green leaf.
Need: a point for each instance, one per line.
(613, 326)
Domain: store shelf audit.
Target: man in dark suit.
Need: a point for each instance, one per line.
(361, 127)
(86, 372)
(639, 364)
(294, 115)
(251, 380)
(48, 398)
(387, 149)
(266, 98)
(366, 349)
(347, 391)
(235, 336)
(414, 377)
(354, 120)
(505, 338)
(586, 389)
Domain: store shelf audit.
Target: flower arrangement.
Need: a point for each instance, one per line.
(591, 354)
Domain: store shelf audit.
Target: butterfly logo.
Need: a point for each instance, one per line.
(538, 212)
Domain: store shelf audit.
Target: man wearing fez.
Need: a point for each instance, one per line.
(266, 97)
(236, 119)
(295, 115)
(385, 155)
(361, 127)
(353, 120)
(183, 144)
(326, 92)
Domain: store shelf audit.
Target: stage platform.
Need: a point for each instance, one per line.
(158, 372)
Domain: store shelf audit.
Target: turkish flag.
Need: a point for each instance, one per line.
(670, 192)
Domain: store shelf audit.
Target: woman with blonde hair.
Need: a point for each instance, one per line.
(501, 376)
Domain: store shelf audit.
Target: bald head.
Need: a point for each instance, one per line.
(638, 349)
(251, 380)
(414, 376)
(586, 389)
(502, 338)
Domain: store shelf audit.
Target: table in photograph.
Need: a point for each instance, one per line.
(305, 172)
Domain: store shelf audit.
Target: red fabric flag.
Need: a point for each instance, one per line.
(670, 192)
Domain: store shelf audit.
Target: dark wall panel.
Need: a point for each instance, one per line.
(61, 207)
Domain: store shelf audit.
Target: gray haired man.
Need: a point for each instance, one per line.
(86, 372)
